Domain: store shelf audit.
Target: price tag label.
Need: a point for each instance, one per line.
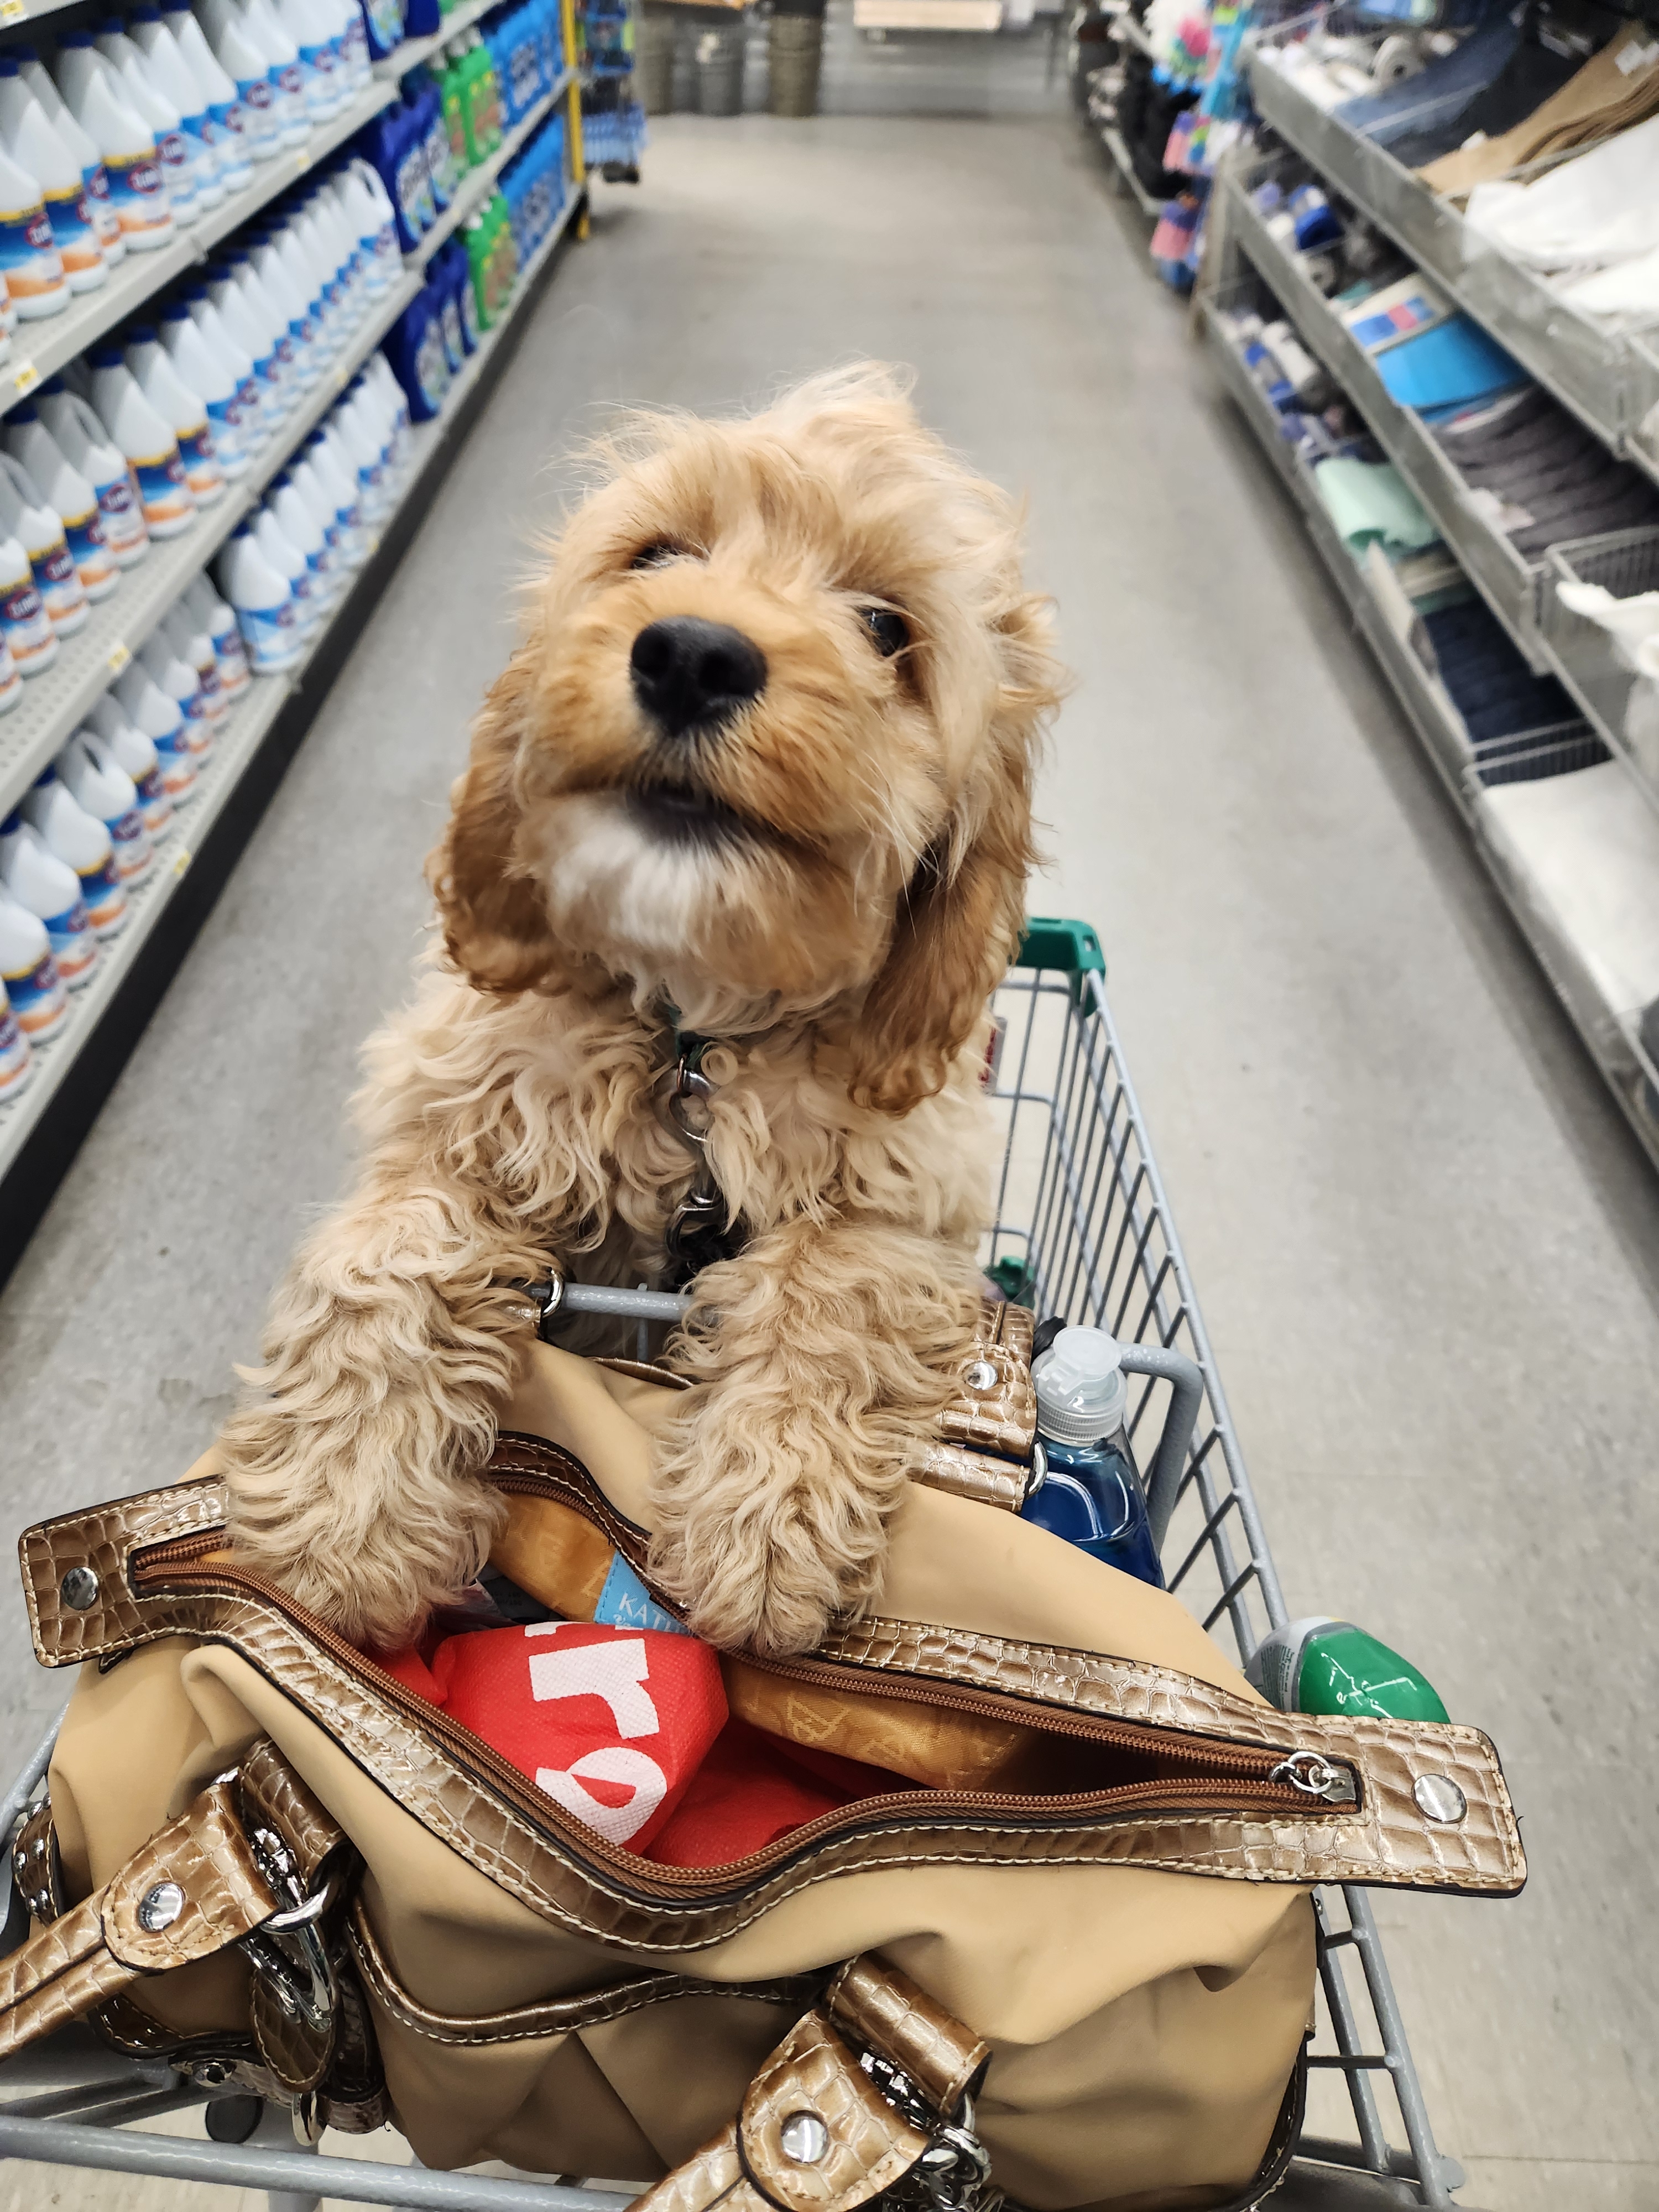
(302, 159)
(25, 375)
(181, 859)
(118, 658)
(12, 11)
(373, 545)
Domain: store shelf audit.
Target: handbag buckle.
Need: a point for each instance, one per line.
(287, 1950)
(955, 2167)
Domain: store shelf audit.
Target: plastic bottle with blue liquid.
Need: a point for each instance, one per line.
(1090, 1489)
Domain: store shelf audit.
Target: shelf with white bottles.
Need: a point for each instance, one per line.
(41, 347)
(251, 721)
(14, 14)
(414, 51)
(476, 184)
(54, 703)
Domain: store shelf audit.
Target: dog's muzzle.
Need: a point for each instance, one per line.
(690, 675)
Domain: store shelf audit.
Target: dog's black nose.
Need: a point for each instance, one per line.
(690, 674)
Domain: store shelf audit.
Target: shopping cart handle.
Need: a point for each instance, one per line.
(1186, 1380)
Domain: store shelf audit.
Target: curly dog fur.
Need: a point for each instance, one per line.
(831, 887)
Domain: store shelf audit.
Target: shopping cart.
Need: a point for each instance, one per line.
(1083, 1229)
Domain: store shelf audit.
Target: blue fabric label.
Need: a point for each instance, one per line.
(625, 1602)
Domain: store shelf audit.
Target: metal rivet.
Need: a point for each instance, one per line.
(981, 1375)
(1440, 1798)
(803, 2138)
(79, 1589)
(160, 1907)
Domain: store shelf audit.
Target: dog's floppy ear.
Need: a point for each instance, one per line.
(961, 916)
(495, 922)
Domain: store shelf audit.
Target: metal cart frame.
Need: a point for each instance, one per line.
(1082, 1227)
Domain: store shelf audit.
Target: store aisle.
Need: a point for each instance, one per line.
(1428, 1251)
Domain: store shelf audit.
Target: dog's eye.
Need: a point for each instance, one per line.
(653, 557)
(891, 632)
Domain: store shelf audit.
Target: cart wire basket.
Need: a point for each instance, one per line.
(1082, 1228)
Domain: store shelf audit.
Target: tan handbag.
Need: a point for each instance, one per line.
(1082, 1952)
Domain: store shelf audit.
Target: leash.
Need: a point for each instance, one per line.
(701, 1230)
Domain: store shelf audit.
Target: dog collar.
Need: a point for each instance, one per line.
(702, 1228)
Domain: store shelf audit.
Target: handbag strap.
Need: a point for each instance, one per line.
(825, 2126)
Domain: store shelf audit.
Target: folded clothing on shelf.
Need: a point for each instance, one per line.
(1589, 227)
(1541, 477)
(1490, 685)
(1614, 90)
(1370, 503)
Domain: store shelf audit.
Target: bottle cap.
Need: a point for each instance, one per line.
(1081, 1391)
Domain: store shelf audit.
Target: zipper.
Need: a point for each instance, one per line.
(1227, 1778)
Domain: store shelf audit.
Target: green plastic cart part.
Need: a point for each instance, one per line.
(1070, 947)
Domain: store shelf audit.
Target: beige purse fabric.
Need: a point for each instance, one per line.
(543, 1998)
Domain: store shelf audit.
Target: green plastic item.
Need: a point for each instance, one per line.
(477, 237)
(1070, 946)
(452, 93)
(1015, 1279)
(1318, 1665)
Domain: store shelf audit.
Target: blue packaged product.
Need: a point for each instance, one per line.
(383, 26)
(423, 19)
(416, 353)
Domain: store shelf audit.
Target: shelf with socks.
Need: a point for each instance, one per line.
(40, 348)
(53, 703)
(1561, 826)
(255, 718)
(1588, 366)
(476, 187)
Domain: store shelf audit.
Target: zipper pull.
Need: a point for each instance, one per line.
(1316, 1777)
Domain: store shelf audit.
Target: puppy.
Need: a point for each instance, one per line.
(760, 769)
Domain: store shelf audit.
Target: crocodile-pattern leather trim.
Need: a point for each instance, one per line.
(884, 2010)
(712, 2176)
(297, 2055)
(1387, 1831)
(553, 2015)
(974, 1475)
(871, 2145)
(542, 1862)
(100, 1945)
(103, 1538)
(995, 1410)
(273, 1792)
(35, 1867)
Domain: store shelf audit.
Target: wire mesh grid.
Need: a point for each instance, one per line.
(1082, 1228)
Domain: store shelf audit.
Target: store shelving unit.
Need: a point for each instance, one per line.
(1568, 798)
(478, 185)
(41, 1128)
(414, 51)
(40, 348)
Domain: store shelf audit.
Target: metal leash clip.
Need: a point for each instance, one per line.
(699, 1230)
(287, 1950)
(954, 2170)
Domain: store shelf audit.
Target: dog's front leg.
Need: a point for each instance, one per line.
(389, 1349)
(825, 1354)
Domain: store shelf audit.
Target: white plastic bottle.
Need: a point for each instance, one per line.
(92, 172)
(292, 248)
(183, 410)
(285, 557)
(310, 33)
(145, 96)
(15, 1057)
(195, 648)
(299, 526)
(29, 259)
(39, 528)
(273, 274)
(245, 63)
(140, 432)
(174, 675)
(219, 95)
(377, 372)
(287, 76)
(200, 373)
(338, 474)
(162, 719)
(264, 605)
(303, 476)
(86, 445)
(376, 222)
(130, 749)
(247, 326)
(272, 318)
(70, 834)
(102, 788)
(39, 1000)
(51, 890)
(173, 76)
(126, 144)
(363, 454)
(37, 145)
(207, 611)
(11, 684)
(235, 363)
(28, 628)
(67, 490)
